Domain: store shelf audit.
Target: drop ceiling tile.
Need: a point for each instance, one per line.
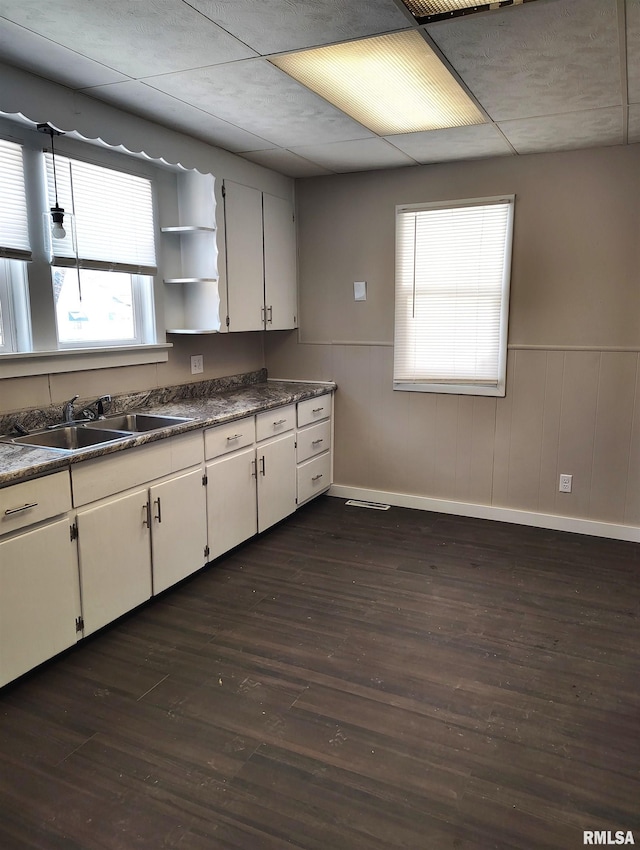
(282, 25)
(139, 98)
(39, 55)
(537, 59)
(357, 155)
(633, 49)
(594, 128)
(135, 38)
(264, 100)
(480, 140)
(286, 162)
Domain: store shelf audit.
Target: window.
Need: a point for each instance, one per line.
(452, 296)
(102, 267)
(14, 238)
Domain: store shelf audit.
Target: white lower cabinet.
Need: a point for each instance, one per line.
(40, 598)
(142, 520)
(276, 473)
(178, 528)
(140, 541)
(115, 558)
(251, 488)
(231, 501)
(313, 447)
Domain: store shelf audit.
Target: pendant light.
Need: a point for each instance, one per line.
(57, 212)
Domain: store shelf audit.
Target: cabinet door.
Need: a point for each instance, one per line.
(115, 558)
(231, 501)
(40, 598)
(178, 528)
(245, 270)
(280, 290)
(276, 480)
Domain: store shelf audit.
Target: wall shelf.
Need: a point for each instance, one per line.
(190, 259)
(182, 280)
(188, 228)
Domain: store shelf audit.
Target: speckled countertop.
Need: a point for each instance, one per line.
(207, 403)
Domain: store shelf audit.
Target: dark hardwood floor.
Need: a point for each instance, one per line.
(352, 680)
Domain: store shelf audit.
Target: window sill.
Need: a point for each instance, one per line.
(23, 364)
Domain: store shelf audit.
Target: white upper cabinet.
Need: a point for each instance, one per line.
(261, 260)
(280, 292)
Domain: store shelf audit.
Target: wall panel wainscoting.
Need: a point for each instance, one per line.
(352, 679)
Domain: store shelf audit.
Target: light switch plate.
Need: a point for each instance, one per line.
(360, 290)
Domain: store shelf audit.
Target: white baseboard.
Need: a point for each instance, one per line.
(630, 533)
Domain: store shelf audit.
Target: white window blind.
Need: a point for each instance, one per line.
(112, 215)
(452, 290)
(14, 230)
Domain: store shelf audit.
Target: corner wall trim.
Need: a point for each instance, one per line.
(630, 533)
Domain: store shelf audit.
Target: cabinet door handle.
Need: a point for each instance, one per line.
(270, 315)
(316, 442)
(254, 469)
(317, 409)
(235, 437)
(317, 477)
(263, 315)
(263, 466)
(146, 510)
(159, 514)
(11, 511)
(279, 422)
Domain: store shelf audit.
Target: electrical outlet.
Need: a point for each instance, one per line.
(197, 364)
(565, 483)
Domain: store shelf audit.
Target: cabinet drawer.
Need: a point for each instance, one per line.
(314, 477)
(313, 440)
(114, 473)
(314, 409)
(227, 438)
(34, 501)
(274, 422)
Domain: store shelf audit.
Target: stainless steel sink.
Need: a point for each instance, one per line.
(72, 437)
(137, 422)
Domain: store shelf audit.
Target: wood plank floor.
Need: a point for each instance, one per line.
(352, 680)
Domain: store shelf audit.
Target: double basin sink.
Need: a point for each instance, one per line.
(99, 432)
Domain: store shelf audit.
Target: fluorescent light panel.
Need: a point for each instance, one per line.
(391, 83)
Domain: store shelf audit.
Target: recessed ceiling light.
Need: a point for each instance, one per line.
(390, 83)
(427, 11)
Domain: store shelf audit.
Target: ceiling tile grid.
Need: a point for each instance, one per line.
(283, 25)
(550, 74)
(541, 58)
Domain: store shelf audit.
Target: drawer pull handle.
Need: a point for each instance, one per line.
(235, 437)
(279, 422)
(317, 477)
(317, 409)
(315, 442)
(11, 511)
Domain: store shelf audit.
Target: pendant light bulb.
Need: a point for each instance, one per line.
(57, 229)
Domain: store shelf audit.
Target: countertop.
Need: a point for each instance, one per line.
(19, 462)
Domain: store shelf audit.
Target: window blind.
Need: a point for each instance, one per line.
(452, 285)
(113, 217)
(14, 228)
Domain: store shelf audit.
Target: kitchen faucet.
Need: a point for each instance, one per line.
(67, 410)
